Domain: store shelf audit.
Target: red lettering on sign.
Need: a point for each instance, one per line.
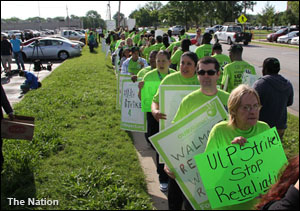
(17, 129)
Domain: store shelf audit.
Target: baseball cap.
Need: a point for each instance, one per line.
(272, 63)
(235, 48)
(217, 46)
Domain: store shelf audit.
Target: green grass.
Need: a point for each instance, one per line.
(290, 140)
(78, 156)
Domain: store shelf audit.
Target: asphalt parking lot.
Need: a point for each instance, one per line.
(12, 84)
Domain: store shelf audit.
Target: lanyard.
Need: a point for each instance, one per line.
(159, 75)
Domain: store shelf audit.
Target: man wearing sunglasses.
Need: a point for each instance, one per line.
(208, 74)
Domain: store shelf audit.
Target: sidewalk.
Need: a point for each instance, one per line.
(11, 85)
(147, 157)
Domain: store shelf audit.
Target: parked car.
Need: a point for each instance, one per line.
(295, 41)
(176, 29)
(274, 36)
(51, 48)
(288, 38)
(213, 29)
(73, 35)
(82, 44)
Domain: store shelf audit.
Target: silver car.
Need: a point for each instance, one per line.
(51, 48)
(73, 41)
(176, 29)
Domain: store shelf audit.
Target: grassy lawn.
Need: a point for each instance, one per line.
(79, 155)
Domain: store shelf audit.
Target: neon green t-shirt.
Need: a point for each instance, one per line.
(175, 59)
(126, 35)
(143, 71)
(172, 39)
(146, 52)
(233, 72)
(203, 50)
(154, 76)
(185, 36)
(223, 60)
(221, 136)
(196, 99)
(157, 46)
(134, 67)
(176, 79)
(172, 45)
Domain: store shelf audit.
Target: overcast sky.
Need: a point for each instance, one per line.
(27, 9)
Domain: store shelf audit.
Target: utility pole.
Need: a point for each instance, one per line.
(119, 14)
(108, 14)
(39, 15)
(68, 17)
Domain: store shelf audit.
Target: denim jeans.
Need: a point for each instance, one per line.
(19, 59)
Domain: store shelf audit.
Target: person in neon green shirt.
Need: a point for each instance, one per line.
(221, 58)
(159, 43)
(158, 74)
(171, 39)
(173, 47)
(183, 35)
(207, 75)
(175, 59)
(148, 49)
(132, 65)
(207, 91)
(145, 70)
(206, 48)
(243, 105)
(186, 76)
(233, 72)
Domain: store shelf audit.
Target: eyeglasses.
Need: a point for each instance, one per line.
(255, 107)
(209, 72)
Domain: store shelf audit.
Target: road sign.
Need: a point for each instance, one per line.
(242, 19)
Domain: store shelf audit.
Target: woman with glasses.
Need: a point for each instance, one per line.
(243, 106)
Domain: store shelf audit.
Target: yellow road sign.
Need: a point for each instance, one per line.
(242, 19)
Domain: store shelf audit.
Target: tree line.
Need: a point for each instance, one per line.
(192, 13)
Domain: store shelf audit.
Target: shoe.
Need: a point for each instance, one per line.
(163, 187)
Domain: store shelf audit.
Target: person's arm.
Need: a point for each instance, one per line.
(156, 112)
(141, 85)
(239, 140)
(291, 98)
(5, 104)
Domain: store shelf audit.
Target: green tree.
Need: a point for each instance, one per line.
(268, 15)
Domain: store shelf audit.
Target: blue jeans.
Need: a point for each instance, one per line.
(19, 59)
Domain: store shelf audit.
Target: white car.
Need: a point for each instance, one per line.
(51, 48)
(295, 41)
(288, 37)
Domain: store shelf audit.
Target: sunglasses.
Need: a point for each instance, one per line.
(209, 72)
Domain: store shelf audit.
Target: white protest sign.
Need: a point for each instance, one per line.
(158, 33)
(179, 143)
(110, 25)
(133, 119)
(170, 97)
(130, 23)
(119, 88)
(249, 79)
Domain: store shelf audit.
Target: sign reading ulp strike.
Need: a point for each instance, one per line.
(237, 174)
(180, 142)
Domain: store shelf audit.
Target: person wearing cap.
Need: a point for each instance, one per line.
(276, 94)
(206, 48)
(134, 64)
(6, 54)
(233, 72)
(221, 58)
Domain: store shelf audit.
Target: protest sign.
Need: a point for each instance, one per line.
(170, 97)
(132, 118)
(249, 79)
(179, 143)
(119, 88)
(241, 173)
(147, 94)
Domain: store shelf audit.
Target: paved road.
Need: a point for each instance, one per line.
(289, 61)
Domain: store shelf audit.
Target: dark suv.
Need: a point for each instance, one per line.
(273, 36)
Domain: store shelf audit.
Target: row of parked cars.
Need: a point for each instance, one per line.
(285, 35)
